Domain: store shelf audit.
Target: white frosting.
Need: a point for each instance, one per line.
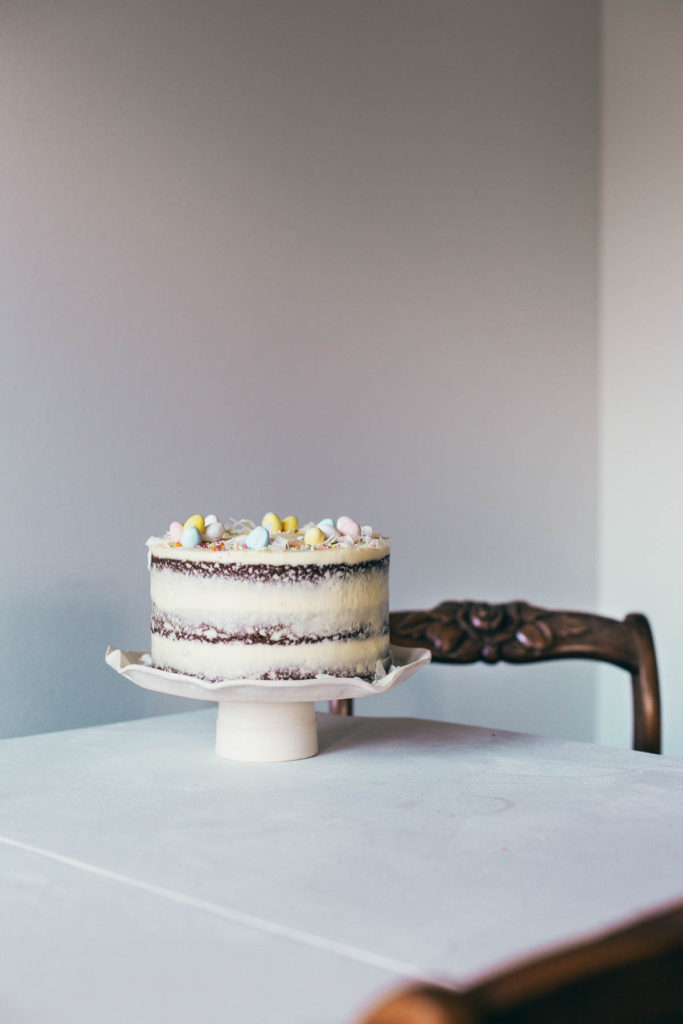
(223, 601)
(255, 660)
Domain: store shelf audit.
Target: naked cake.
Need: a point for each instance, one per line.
(239, 601)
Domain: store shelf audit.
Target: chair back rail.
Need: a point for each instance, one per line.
(464, 632)
(630, 976)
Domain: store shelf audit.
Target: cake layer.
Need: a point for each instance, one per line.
(269, 572)
(179, 626)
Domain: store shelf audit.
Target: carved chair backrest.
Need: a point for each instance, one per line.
(462, 632)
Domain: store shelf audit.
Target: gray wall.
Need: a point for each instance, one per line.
(310, 257)
(641, 453)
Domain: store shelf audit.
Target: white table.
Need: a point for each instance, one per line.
(144, 879)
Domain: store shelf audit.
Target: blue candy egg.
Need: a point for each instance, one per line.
(326, 522)
(190, 537)
(258, 538)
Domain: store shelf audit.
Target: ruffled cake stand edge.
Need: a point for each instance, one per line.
(265, 720)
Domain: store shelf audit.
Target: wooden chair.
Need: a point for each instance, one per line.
(633, 975)
(462, 632)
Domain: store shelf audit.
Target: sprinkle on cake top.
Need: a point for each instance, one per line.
(273, 533)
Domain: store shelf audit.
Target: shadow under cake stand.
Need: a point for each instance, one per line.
(265, 720)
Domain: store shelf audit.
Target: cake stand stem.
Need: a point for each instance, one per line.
(266, 730)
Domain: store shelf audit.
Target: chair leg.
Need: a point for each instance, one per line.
(342, 707)
(647, 712)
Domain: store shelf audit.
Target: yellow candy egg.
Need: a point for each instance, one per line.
(290, 523)
(197, 522)
(272, 523)
(314, 536)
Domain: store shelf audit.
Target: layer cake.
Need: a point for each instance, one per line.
(230, 609)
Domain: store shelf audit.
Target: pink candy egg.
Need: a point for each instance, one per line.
(348, 527)
(176, 531)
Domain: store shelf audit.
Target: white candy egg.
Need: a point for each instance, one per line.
(214, 531)
(329, 529)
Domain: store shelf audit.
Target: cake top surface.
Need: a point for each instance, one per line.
(207, 537)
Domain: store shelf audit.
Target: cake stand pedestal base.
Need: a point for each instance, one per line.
(266, 730)
(254, 722)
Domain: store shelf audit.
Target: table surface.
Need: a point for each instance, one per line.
(145, 879)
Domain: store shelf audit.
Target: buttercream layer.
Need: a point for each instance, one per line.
(251, 601)
(343, 658)
(271, 556)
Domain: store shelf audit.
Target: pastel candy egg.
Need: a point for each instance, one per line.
(208, 520)
(348, 527)
(290, 523)
(176, 531)
(328, 529)
(314, 536)
(272, 523)
(214, 531)
(191, 537)
(326, 522)
(197, 522)
(258, 538)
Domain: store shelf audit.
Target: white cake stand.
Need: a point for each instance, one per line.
(265, 720)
